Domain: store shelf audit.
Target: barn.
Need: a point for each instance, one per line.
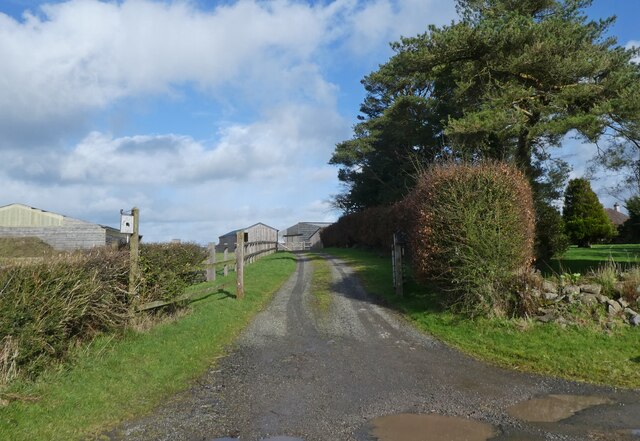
(255, 233)
(61, 232)
(304, 235)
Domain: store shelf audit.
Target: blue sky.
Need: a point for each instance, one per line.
(209, 116)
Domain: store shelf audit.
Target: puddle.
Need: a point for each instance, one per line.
(412, 427)
(275, 438)
(554, 408)
(282, 438)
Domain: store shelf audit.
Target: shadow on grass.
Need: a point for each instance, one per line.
(635, 359)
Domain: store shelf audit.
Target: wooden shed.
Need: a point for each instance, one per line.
(59, 231)
(304, 235)
(255, 233)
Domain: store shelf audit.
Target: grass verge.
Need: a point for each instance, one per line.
(116, 378)
(575, 353)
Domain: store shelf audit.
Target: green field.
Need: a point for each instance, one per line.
(586, 354)
(583, 260)
(116, 378)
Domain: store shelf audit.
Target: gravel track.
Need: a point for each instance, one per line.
(323, 376)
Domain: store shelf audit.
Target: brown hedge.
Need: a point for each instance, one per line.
(372, 227)
(472, 231)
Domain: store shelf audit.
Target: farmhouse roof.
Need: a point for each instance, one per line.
(616, 217)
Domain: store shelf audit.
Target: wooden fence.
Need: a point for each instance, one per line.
(244, 254)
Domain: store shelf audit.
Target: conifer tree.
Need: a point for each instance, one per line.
(584, 216)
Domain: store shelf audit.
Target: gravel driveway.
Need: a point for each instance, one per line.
(300, 373)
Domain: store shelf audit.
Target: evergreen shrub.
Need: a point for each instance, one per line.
(472, 233)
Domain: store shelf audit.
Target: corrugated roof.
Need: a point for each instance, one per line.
(240, 229)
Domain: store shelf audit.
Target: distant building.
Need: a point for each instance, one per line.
(304, 235)
(255, 233)
(61, 232)
(615, 215)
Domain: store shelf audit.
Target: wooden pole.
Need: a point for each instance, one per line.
(225, 257)
(240, 265)
(134, 253)
(211, 260)
(397, 265)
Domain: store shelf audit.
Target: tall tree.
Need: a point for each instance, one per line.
(630, 230)
(584, 217)
(508, 81)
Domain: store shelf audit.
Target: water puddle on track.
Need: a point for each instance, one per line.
(275, 438)
(554, 408)
(413, 427)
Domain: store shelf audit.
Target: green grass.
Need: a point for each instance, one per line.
(118, 378)
(582, 260)
(582, 354)
(321, 285)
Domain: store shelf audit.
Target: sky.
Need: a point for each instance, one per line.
(207, 115)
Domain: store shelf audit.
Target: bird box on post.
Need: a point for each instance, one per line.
(126, 222)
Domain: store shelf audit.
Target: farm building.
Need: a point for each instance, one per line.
(61, 232)
(304, 235)
(255, 233)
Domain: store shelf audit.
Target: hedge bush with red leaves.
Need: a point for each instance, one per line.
(472, 233)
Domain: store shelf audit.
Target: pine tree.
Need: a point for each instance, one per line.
(584, 216)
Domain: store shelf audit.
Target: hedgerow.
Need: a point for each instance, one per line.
(372, 227)
(472, 233)
(49, 305)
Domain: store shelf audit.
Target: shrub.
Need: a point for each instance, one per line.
(168, 268)
(472, 233)
(47, 306)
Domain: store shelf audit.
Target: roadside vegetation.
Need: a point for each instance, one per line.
(118, 376)
(320, 285)
(582, 353)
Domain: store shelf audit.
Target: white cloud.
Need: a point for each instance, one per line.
(67, 65)
(633, 44)
(84, 54)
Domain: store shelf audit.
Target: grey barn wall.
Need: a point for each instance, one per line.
(72, 234)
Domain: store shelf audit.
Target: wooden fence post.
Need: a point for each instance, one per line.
(240, 264)
(211, 260)
(225, 257)
(134, 253)
(397, 264)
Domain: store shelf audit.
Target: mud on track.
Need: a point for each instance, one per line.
(326, 375)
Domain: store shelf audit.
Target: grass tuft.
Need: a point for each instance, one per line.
(321, 285)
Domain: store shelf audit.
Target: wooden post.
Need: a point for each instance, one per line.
(240, 265)
(134, 253)
(211, 260)
(225, 257)
(397, 265)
